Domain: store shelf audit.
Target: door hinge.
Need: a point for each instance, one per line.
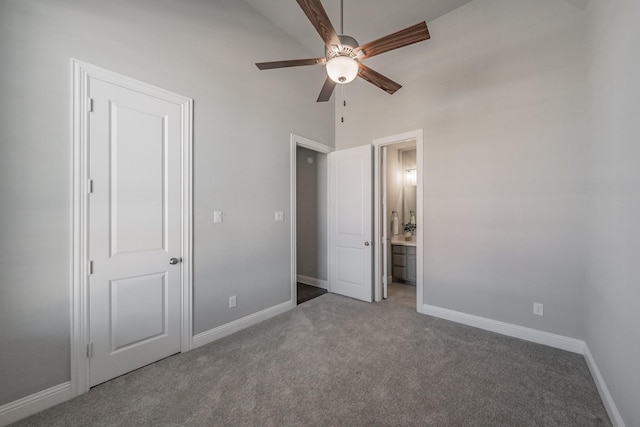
(90, 267)
(90, 105)
(90, 350)
(89, 186)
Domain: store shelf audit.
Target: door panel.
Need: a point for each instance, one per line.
(350, 222)
(134, 229)
(349, 198)
(138, 212)
(351, 265)
(128, 324)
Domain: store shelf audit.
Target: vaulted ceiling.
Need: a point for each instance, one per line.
(365, 20)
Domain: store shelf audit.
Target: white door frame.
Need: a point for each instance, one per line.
(300, 141)
(382, 239)
(79, 307)
(416, 135)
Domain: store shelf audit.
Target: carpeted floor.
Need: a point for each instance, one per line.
(334, 361)
(308, 292)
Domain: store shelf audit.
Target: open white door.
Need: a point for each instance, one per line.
(350, 223)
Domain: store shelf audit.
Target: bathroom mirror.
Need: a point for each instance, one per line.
(410, 172)
(409, 202)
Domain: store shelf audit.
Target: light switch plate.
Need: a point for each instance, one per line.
(217, 216)
(279, 216)
(538, 309)
(232, 301)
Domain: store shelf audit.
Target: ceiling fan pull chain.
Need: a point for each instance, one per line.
(344, 101)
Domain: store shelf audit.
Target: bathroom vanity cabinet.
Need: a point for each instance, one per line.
(403, 258)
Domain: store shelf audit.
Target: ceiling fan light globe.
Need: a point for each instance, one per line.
(342, 69)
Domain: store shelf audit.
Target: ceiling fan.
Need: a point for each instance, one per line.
(343, 55)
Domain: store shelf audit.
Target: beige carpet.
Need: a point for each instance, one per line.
(334, 361)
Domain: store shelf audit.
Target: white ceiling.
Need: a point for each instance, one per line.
(365, 20)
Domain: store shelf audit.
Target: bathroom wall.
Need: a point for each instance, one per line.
(409, 159)
(394, 195)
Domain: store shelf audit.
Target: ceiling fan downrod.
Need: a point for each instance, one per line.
(341, 16)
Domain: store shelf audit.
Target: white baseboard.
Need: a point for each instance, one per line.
(22, 408)
(607, 400)
(214, 334)
(312, 281)
(528, 334)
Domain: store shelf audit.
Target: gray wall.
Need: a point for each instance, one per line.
(311, 213)
(529, 194)
(243, 119)
(613, 292)
(530, 115)
(500, 93)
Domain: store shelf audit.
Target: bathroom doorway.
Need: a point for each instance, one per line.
(399, 225)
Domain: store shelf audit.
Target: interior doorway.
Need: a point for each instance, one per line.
(309, 235)
(399, 191)
(399, 219)
(131, 238)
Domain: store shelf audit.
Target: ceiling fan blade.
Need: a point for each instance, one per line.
(290, 63)
(378, 79)
(414, 34)
(320, 21)
(327, 90)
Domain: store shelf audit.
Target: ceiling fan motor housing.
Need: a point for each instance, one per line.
(347, 48)
(342, 61)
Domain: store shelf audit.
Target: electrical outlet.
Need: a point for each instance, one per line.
(538, 309)
(232, 301)
(217, 216)
(279, 216)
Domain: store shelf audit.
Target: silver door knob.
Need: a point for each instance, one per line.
(174, 261)
(366, 243)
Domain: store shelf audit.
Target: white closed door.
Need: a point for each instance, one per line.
(134, 229)
(350, 223)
